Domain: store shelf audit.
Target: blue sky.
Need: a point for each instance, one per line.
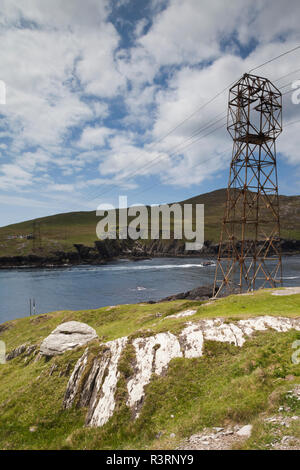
(94, 88)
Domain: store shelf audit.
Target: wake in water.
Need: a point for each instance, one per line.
(137, 268)
(154, 267)
(291, 277)
(141, 288)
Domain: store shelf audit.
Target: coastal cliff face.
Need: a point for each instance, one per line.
(104, 251)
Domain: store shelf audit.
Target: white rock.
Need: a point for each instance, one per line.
(185, 313)
(280, 324)
(67, 336)
(74, 380)
(96, 393)
(195, 437)
(192, 339)
(169, 349)
(245, 431)
(218, 330)
(204, 438)
(106, 404)
(153, 355)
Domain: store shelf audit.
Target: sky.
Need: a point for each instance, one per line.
(102, 98)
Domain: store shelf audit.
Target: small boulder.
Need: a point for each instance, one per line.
(67, 336)
(245, 431)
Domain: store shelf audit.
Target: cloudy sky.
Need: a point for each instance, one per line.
(105, 98)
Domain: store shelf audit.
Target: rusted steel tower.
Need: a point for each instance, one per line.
(249, 250)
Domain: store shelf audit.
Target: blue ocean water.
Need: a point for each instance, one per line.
(120, 282)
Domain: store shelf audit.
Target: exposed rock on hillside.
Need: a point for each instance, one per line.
(94, 380)
(104, 251)
(199, 293)
(67, 336)
(97, 392)
(24, 349)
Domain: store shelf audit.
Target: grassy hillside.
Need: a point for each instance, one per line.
(228, 385)
(61, 231)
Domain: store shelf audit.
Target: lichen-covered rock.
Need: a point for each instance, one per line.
(264, 323)
(25, 349)
(94, 381)
(67, 336)
(102, 409)
(16, 352)
(98, 391)
(153, 355)
(74, 380)
(185, 313)
(191, 339)
(218, 330)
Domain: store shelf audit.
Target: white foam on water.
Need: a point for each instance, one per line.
(153, 267)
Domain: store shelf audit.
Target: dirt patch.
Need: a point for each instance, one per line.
(215, 439)
(40, 318)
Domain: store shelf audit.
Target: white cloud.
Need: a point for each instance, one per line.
(94, 137)
(66, 75)
(12, 177)
(61, 187)
(191, 31)
(56, 13)
(125, 158)
(42, 67)
(96, 67)
(269, 20)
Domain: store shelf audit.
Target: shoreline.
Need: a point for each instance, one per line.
(208, 257)
(107, 251)
(103, 263)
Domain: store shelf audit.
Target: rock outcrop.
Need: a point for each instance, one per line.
(98, 391)
(199, 293)
(94, 380)
(25, 349)
(67, 336)
(104, 251)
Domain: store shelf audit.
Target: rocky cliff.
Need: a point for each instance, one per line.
(104, 251)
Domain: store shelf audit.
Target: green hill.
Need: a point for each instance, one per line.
(61, 231)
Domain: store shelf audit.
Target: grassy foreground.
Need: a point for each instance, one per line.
(227, 385)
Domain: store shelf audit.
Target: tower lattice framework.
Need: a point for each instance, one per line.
(249, 250)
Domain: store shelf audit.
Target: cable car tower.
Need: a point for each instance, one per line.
(249, 250)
